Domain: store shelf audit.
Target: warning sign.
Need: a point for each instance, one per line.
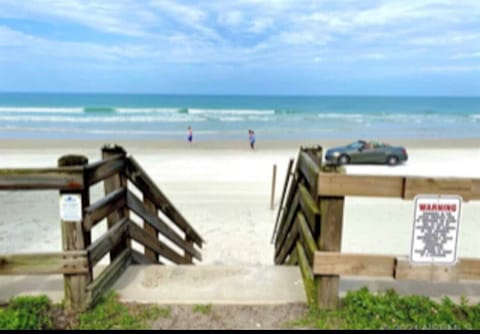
(435, 229)
(71, 207)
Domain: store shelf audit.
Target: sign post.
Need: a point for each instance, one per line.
(436, 224)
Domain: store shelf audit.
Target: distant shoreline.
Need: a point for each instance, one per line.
(146, 144)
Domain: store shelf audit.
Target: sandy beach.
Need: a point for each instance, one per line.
(223, 189)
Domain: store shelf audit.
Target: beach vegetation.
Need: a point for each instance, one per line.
(365, 310)
(27, 312)
(204, 309)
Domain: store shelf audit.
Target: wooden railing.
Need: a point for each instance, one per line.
(80, 255)
(310, 224)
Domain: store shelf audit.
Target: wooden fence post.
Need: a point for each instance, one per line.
(150, 206)
(330, 239)
(74, 236)
(111, 184)
(272, 196)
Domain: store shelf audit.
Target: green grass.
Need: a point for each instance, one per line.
(109, 313)
(27, 312)
(364, 310)
(204, 309)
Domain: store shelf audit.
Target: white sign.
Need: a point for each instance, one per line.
(71, 207)
(436, 224)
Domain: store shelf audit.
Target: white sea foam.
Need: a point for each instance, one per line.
(230, 112)
(101, 119)
(41, 110)
(146, 110)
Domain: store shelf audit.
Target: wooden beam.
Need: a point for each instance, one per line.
(75, 238)
(307, 275)
(309, 169)
(70, 262)
(108, 276)
(309, 208)
(310, 246)
(330, 240)
(144, 183)
(137, 206)
(63, 178)
(286, 224)
(464, 269)
(292, 259)
(281, 205)
(104, 169)
(334, 184)
(107, 241)
(150, 206)
(139, 258)
(441, 186)
(109, 204)
(334, 263)
(288, 247)
(139, 235)
(111, 184)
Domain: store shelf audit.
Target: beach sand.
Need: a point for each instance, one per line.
(223, 189)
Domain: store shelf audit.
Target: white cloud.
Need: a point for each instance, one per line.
(451, 68)
(259, 25)
(232, 18)
(466, 55)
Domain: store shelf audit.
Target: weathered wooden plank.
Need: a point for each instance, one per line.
(111, 184)
(104, 169)
(74, 238)
(287, 222)
(137, 206)
(139, 235)
(464, 269)
(281, 205)
(70, 262)
(331, 226)
(441, 186)
(104, 244)
(310, 208)
(292, 259)
(139, 258)
(335, 263)
(63, 178)
(142, 181)
(309, 169)
(310, 246)
(109, 275)
(307, 275)
(288, 247)
(102, 208)
(292, 192)
(150, 206)
(335, 184)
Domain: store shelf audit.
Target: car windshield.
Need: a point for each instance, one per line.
(355, 145)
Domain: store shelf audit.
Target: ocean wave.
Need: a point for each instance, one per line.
(230, 112)
(41, 110)
(111, 119)
(149, 110)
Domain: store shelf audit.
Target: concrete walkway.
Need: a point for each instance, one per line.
(254, 285)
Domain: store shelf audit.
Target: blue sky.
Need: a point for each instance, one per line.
(376, 47)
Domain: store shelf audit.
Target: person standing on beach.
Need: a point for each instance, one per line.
(251, 138)
(190, 134)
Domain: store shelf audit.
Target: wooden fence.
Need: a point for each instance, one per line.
(308, 230)
(120, 175)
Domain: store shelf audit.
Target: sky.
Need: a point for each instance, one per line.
(286, 47)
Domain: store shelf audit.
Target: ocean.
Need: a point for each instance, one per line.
(160, 117)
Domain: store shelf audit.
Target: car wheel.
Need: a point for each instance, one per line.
(343, 160)
(392, 160)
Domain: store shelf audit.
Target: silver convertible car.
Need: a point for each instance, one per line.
(363, 151)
